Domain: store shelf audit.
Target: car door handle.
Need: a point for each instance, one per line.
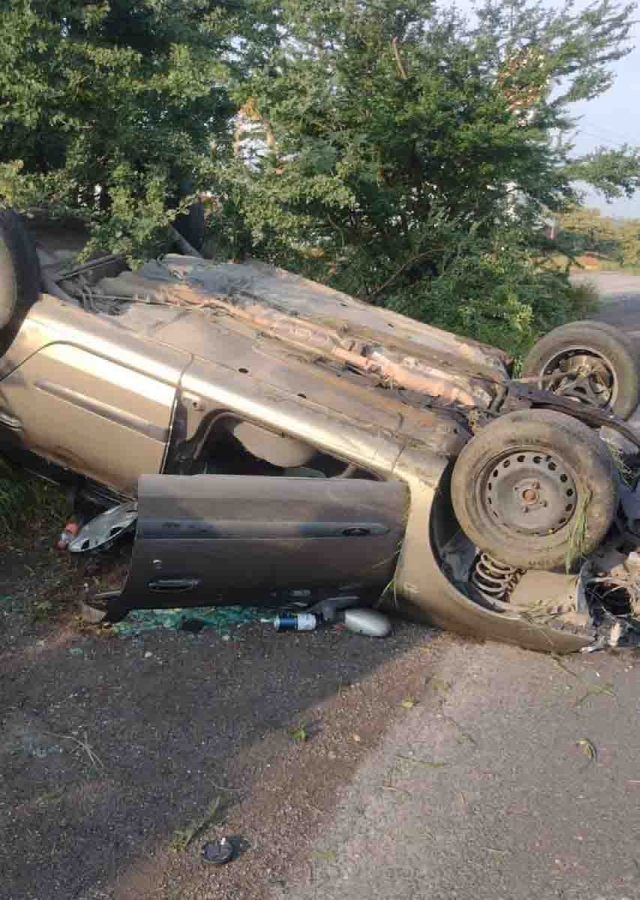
(173, 584)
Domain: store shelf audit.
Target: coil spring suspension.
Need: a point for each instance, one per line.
(494, 580)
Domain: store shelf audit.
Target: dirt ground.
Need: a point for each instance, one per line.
(113, 749)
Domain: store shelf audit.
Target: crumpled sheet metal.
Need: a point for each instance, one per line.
(411, 356)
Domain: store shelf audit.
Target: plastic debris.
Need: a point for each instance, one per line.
(366, 621)
(103, 530)
(218, 853)
(296, 622)
(68, 534)
(221, 618)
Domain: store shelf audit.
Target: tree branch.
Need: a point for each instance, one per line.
(397, 274)
(399, 63)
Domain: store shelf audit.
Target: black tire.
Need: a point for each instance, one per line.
(608, 346)
(192, 225)
(552, 465)
(19, 275)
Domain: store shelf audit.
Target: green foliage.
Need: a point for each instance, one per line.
(121, 95)
(496, 290)
(390, 148)
(586, 230)
(23, 499)
(630, 243)
(414, 156)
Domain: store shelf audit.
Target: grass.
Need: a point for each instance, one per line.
(300, 733)
(579, 533)
(628, 475)
(27, 502)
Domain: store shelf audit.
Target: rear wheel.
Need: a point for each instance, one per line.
(589, 362)
(535, 489)
(19, 275)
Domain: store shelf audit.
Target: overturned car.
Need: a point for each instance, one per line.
(283, 440)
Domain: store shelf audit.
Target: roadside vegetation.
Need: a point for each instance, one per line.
(394, 149)
(27, 502)
(593, 241)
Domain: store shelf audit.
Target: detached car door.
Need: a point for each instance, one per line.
(88, 394)
(204, 540)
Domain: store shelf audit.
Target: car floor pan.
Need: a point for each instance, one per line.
(217, 539)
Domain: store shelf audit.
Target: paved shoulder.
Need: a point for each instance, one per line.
(514, 777)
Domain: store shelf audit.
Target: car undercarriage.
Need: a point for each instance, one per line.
(273, 442)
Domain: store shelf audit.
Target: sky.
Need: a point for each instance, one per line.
(613, 119)
(609, 121)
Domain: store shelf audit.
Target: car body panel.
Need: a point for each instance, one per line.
(387, 347)
(210, 539)
(90, 396)
(135, 383)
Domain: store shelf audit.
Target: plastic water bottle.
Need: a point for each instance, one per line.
(296, 622)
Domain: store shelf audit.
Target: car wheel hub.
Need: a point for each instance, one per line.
(530, 493)
(581, 376)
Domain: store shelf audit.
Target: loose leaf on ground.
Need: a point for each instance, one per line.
(588, 748)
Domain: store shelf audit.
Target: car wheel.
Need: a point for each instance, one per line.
(590, 362)
(535, 489)
(19, 275)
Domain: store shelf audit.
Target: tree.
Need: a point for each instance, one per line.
(108, 108)
(586, 230)
(630, 242)
(411, 146)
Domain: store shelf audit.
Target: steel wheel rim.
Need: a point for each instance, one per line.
(529, 492)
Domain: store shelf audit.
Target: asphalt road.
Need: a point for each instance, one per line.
(488, 790)
(515, 777)
(620, 296)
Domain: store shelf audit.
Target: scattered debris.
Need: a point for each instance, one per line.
(218, 853)
(183, 837)
(588, 748)
(556, 659)
(396, 790)
(427, 764)
(221, 618)
(103, 530)
(367, 622)
(596, 690)
(296, 622)
(84, 745)
(408, 703)
(67, 535)
(438, 684)
(325, 854)
(464, 734)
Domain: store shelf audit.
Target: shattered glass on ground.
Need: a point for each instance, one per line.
(221, 618)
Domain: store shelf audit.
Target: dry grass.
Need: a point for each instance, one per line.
(579, 533)
(183, 837)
